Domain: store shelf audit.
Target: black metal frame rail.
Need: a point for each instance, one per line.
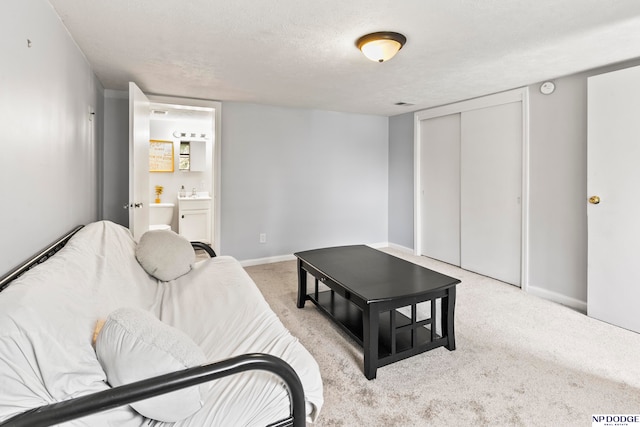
(204, 247)
(38, 258)
(108, 399)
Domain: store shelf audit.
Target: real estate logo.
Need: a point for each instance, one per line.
(615, 420)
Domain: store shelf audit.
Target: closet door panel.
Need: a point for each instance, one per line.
(491, 185)
(440, 183)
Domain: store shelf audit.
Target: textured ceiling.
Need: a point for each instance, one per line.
(301, 53)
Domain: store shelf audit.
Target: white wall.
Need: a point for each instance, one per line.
(49, 172)
(401, 180)
(306, 178)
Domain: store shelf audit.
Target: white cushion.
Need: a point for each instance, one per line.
(165, 254)
(134, 345)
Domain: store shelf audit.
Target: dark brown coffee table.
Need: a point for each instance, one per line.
(366, 287)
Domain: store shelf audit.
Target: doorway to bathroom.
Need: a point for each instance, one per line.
(182, 159)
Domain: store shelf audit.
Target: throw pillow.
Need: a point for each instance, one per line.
(134, 345)
(165, 254)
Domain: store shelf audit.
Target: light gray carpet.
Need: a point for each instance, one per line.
(520, 361)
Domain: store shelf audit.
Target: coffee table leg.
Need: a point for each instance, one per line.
(370, 328)
(448, 312)
(302, 285)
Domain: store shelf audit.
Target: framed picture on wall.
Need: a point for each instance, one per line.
(160, 156)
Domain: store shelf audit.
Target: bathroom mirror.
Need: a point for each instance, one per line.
(192, 156)
(185, 158)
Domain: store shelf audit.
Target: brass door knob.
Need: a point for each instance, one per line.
(594, 200)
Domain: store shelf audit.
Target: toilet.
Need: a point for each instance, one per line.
(161, 215)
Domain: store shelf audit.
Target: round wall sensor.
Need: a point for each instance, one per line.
(547, 88)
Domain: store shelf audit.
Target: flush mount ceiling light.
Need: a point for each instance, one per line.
(381, 46)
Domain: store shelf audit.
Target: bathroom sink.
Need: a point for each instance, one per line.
(199, 195)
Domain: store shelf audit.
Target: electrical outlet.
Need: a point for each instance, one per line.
(263, 237)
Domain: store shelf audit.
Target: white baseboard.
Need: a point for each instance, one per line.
(267, 260)
(576, 304)
(391, 246)
(290, 257)
(400, 248)
(378, 245)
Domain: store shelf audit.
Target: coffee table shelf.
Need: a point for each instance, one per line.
(349, 317)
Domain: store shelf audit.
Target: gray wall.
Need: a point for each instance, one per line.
(116, 157)
(558, 185)
(558, 189)
(401, 180)
(50, 170)
(306, 178)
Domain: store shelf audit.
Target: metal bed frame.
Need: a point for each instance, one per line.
(78, 407)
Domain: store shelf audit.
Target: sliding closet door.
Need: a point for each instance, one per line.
(440, 184)
(491, 185)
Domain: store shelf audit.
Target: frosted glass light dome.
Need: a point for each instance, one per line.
(382, 46)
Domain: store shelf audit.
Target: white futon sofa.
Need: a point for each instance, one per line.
(53, 346)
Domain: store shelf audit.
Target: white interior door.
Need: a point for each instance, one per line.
(139, 194)
(613, 175)
(491, 187)
(440, 184)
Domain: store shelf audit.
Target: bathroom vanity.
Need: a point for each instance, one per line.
(194, 218)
